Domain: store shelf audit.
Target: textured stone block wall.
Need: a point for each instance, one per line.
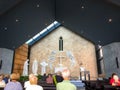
(110, 53)
(47, 49)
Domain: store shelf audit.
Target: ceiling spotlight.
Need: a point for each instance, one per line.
(38, 5)
(5, 28)
(17, 20)
(99, 41)
(109, 20)
(82, 7)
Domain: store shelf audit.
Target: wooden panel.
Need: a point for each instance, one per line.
(21, 55)
(17, 61)
(21, 52)
(18, 56)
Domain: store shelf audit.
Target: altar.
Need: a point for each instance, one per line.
(84, 75)
(59, 69)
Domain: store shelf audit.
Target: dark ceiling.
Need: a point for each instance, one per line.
(96, 20)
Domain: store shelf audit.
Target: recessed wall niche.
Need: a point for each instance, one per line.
(77, 52)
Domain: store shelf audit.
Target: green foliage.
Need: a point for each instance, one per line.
(26, 78)
(39, 77)
(23, 78)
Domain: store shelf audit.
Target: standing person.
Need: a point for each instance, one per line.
(115, 81)
(33, 84)
(66, 84)
(14, 84)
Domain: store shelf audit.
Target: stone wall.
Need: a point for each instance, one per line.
(81, 50)
(6, 56)
(111, 52)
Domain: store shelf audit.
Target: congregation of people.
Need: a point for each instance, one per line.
(61, 80)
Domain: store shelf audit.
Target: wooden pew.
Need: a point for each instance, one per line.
(1, 88)
(109, 87)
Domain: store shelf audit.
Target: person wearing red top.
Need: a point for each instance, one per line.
(115, 81)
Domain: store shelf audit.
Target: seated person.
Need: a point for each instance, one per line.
(27, 83)
(49, 79)
(59, 77)
(2, 82)
(115, 81)
(66, 84)
(33, 84)
(14, 84)
(6, 78)
(44, 77)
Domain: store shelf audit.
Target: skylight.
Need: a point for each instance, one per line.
(44, 32)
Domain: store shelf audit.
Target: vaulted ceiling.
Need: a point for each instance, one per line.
(96, 20)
